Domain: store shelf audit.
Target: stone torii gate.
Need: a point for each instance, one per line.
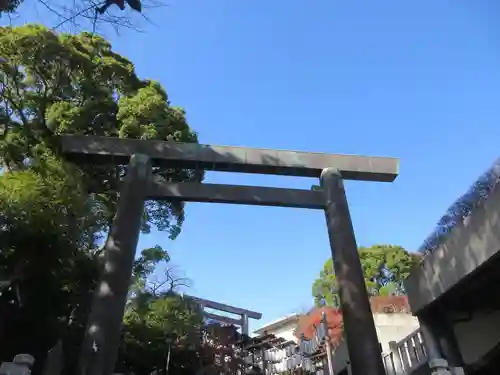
(243, 313)
(103, 329)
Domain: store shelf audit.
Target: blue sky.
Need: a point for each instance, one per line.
(419, 80)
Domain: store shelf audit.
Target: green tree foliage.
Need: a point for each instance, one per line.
(385, 267)
(159, 331)
(45, 222)
(75, 84)
(51, 227)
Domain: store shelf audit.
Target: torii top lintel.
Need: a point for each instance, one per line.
(103, 150)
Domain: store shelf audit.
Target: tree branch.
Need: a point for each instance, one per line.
(169, 283)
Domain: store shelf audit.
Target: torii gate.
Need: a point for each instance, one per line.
(103, 329)
(243, 313)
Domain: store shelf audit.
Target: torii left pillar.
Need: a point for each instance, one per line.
(100, 345)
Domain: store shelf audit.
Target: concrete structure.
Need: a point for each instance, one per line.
(284, 327)
(454, 291)
(472, 244)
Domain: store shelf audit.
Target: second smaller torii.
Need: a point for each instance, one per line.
(244, 314)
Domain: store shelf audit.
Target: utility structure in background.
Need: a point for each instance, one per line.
(100, 344)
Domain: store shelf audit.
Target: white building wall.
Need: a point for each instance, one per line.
(390, 327)
(394, 327)
(286, 332)
(475, 338)
(283, 330)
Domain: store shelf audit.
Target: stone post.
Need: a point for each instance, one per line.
(439, 366)
(328, 345)
(244, 326)
(430, 340)
(457, 371)
(362, 341)
(440, 342)
(396, 358)
(100, 345)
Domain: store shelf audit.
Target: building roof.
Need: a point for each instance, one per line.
(292, 318)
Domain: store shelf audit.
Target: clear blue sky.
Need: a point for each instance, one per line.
(419, 80)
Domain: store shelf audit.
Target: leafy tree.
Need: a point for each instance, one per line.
(385, 267)
(161, 328)
(51, 227)
(165, 333)
(42, 254)
(45, 220)
(158, 331)
(75, 84)
(219, 351)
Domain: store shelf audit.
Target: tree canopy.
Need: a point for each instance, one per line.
(384, 266)
(54, 84)
(156, 329)
(52, 225)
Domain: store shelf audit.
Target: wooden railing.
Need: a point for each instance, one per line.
(406, 355)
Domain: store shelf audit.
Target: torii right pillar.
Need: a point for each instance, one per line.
(362, 342)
